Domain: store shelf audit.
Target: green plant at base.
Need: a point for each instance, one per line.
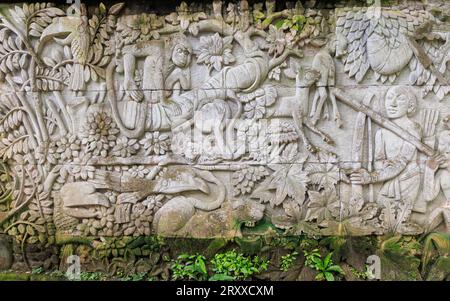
(92, 276)
(37, 270)
(221, 277)
(435, 243)
(288, 260)
(135, 277)
(325, 267)
(237, 266)
(361, 275)
(189, 267)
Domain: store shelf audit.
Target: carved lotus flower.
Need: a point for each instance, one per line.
(215, 52)
(155, 143)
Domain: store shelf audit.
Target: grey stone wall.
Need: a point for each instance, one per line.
(207, 119)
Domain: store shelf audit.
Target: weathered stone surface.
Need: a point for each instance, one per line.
(196, 121)
(6, 254)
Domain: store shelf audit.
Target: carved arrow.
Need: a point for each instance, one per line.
(383, 122)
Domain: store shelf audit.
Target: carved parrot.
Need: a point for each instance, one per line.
(386, 40)
(76, 30)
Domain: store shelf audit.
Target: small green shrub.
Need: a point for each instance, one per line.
(237, 266)
(327, 270)
(92, 276)
(135, 277)
(189, 267)
(37, 270)
(288, 260)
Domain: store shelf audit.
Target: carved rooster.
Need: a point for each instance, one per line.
(78, 37)
(386, 40)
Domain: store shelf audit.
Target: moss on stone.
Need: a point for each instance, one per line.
(440, 270)
(63, 239)
(11, 276)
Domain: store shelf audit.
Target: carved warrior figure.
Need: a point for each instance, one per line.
(395, 159)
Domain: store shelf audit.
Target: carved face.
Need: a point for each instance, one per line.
(398, 103)
(181, 55)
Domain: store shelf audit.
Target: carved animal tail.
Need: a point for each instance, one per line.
(111, 94)
(209, 206)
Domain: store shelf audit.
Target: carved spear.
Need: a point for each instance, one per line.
(384, 122)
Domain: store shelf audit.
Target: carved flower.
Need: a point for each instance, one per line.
(154, 202)
(146, 22)
(185, 18)
(99, 134)
(68, 148)
(155, 143)
(78, 169)
(125, 147)
(215, 52)
(277, 40)
(138, 171)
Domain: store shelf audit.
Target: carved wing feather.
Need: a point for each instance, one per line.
(80, 48)
(437, 50)
(376, 41)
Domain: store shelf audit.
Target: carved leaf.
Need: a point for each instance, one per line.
(116, 8)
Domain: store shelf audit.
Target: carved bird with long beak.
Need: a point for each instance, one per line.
(76, 30)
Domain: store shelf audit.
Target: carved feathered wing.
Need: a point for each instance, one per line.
(377, 39)
(437, 48)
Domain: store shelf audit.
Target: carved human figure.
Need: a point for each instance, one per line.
(437, 173)
(156, 112)
(153, 81)
(395, 158)
(323, 62)
(179, 73)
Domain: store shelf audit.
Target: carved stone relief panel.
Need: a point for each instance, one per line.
(213, 118)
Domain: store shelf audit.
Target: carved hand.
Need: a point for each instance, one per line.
(360, 177)
(437, 161)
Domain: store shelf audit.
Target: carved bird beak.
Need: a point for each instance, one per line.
(60, 26)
